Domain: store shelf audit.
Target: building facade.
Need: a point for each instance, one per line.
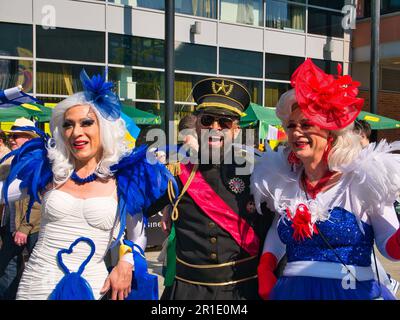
(389, 71)
(45, 43)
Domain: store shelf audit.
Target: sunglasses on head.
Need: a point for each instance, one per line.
(207, 120)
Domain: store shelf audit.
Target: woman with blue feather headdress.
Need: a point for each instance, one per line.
(92, 187)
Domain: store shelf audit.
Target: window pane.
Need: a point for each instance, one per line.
(254, 88)
(246, 12)
(390, 79)
(151, 4)
(62, 78)
(273, 91)
(15, 39)
(16, 72)
(137, 84)
(281, 67)
(184, 84)
(70, 44)
(285, 16)
(388, 6)
(194, 57)
(136, 51)
(326, 23)
(201, 8)
(337, 4)
(327, 65)
(240, 62)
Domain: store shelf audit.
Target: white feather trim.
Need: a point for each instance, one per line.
(375, 176)
(270, 178)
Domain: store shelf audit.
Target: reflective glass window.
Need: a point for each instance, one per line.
(61, 78)
(326, 23)
(281, 67)
(286, 16)
(337, 4)
(246, 12)
(133, 84)
(16, 39)
(70, 44)
(16, 72)
(273, 91)
(240, 62)
(184, 84)
(135, 51)
(195, 57)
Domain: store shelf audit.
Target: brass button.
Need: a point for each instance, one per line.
(211, 224)
(213, 240)
(213, 256)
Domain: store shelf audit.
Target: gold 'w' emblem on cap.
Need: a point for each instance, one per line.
(225, 88)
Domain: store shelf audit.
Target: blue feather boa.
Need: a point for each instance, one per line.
(30, 165)
(139, 182)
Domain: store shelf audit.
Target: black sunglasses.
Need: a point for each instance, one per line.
(207, 120)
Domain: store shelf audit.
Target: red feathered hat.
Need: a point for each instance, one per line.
(327, 101)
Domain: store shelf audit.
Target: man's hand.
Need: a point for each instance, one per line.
(166, 220)
(20, 239)
(119, 281)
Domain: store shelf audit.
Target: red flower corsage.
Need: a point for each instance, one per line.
(327, 101)
(302, 225)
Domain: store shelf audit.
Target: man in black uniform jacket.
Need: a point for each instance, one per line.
(218, 233)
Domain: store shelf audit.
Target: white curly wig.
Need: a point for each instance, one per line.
(112, 135)
(346, 145)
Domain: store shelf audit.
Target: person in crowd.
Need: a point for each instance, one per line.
(333, 199)
(4, 168)
(91, 186)
(216, 234)
(363, 128)
(16, 232)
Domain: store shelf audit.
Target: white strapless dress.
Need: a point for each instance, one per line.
(64, 219)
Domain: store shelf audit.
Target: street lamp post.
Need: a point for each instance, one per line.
(374, 66)
(169, 58)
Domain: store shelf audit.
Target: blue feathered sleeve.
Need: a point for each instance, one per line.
(140, 183)
(30, 165)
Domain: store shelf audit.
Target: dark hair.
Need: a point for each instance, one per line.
(187, 122)
(362, 126)
(3, 136)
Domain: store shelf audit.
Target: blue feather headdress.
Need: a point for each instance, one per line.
(99, 92)
(30, 165)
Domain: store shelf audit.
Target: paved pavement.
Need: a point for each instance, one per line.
(155, 267)
(393, 268)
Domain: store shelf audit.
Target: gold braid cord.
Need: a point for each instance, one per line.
(171, 193)
(174, 168)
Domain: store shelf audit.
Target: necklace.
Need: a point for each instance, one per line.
(79, 180)
(314, 190)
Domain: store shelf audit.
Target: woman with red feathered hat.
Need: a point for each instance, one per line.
(334, 200)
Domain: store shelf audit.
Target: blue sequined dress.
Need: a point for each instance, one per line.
(349, 243)
(352, 216)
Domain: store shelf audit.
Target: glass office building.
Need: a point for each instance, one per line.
(45, 44)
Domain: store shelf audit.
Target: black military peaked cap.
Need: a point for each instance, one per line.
(221, 96)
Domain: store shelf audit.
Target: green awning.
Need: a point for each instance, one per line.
(41, 113)
(267, 116)
(44, 114)
(378, 122)
(256, 113)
